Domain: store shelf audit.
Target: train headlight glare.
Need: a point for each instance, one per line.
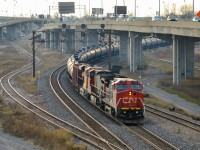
(130, 93)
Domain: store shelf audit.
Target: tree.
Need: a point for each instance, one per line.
(173, 10)
(56, 15)
(166, 10)
(186, 11)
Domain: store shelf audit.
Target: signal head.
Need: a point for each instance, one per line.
(83, 26)
(102, 34)
(64, 25)
(102, 26)
(83, 34)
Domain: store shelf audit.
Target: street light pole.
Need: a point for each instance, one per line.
(33, 49)
(102, 7)
(89, 8)
(193, 8)
(135, 8)
(49, 14)
(159, 9)
(116, 11)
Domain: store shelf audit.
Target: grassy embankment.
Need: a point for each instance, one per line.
(26, 125)
(34, 130)
(188, 89)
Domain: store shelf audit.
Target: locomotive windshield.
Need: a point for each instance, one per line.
(122, 86)
(135, 86)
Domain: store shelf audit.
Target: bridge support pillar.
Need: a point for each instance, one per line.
(47, 43)
(59, 41)
(70, 41)
(51, 42)
(11, 32)
(28, 27)
(135, 51)
(183, 58)
(1, 33)
(56, 39)
(124, 46)
(92, 37)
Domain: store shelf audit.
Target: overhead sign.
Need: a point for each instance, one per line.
(120, 10)
(198, 14)
(66, 7)
(41, 16)
(97, 11)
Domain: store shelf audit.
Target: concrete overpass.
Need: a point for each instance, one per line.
(183, 35)
(10, 29)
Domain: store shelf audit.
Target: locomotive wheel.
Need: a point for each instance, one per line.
(97, 102)
(88, 97)
(113, 112)
(102, 106)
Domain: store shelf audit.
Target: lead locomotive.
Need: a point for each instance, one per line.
(120, 96)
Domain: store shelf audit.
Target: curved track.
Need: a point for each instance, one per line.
(190, 124)
(97, 128)
(146, 135)
(7, 83)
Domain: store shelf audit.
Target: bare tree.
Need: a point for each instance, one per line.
(166, 10)
(173, 9)
(186, 11)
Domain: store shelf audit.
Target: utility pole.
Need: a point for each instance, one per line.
(109, 65)
(33, 53)
(116, 11)
(159, 9)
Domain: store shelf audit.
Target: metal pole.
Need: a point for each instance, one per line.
(109, 65)
(159, 9)
(116, 11)
(193, 8)
(102, 7)
(89, 8)
(49, 14)
(135, 8)
(33, 54)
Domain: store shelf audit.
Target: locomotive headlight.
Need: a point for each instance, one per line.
(130, 94)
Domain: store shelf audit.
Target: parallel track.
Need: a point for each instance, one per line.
(8, 87)
(149, 137)
(113, 141)
(174, 118)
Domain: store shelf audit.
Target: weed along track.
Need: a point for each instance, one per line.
(7, 84)
(90, 125)
(97, 128)
(174, 118)
(70, 98)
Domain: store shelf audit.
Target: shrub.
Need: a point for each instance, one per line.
(187, 89)
(32, 129)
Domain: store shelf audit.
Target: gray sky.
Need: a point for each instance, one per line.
(143, 7)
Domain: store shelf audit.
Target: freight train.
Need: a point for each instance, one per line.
(120, 96)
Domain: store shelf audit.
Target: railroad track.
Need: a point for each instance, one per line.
(148, 136)
(113, 142)
(98, 140)
(151, 138)
(173, 118)
(25, 102)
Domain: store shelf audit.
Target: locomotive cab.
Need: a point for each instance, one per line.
(128, 94)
